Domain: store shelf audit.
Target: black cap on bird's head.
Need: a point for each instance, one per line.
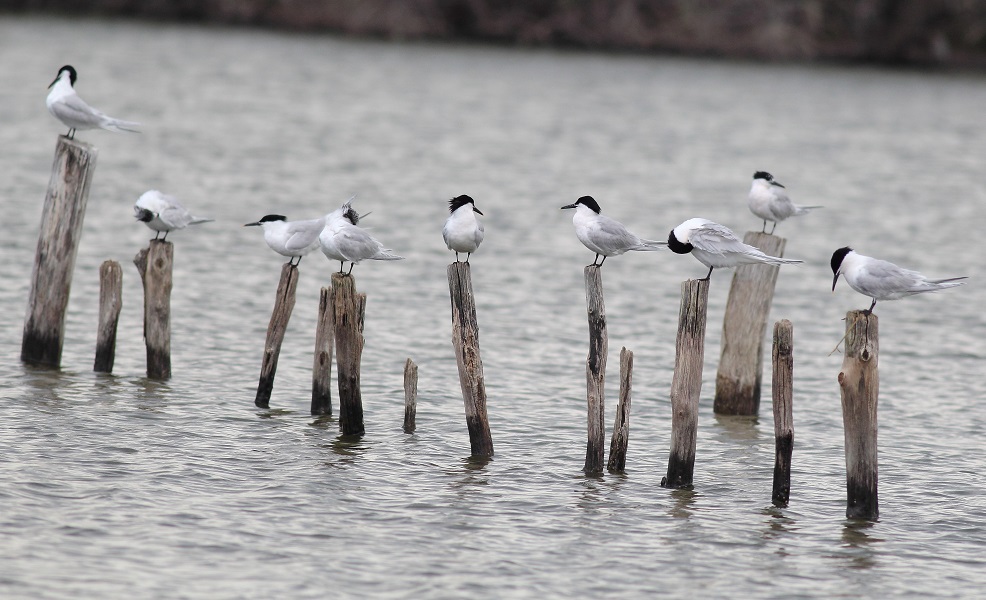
(459, 201)
(267, 219)
(766, 177)
(837, 257)
(586, 201)
(72, 75)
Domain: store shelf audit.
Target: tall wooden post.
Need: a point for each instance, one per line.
(322, 367)
(747, 308)
(155, 265)
(595, 371)
(783, 395)
(621, 426)
(349, 308)
(283, 305)
(410, 395)
(110, 303)
(686, 384)
(465, 339)
(58, 243)
(859, 382)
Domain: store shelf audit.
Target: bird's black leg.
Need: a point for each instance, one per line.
(602, 261)
(869, 311)
(350, 268)
(71, 133)
(468, 254)
(165, 236)
(773, 228)
(340, 266)
(764, 230)
(706, 278)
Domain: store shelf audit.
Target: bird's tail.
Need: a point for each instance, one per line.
(118, 125)
(387, 255)
(803, 210)
(776, 260)
(650, 245)
(197, 220)
(950, 282)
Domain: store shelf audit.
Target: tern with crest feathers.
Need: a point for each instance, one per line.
(463, 232)
(603, 235)
(341, 239)
(715, 246)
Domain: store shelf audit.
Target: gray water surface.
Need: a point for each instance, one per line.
(121, 487)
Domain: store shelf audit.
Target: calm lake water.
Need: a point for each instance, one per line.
(121, 487)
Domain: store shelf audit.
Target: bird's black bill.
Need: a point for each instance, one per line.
(257, 224)
(569, 206)
(476, 210)
(834, 280)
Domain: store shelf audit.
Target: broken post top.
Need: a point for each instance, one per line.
(862, 335)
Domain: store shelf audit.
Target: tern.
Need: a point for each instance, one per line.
(66, 106)
(463, 232)
(341, 239)
(882, 280)
(714, 245)
(290, 238)
(769, 201)
(162, 212)
(604, 236)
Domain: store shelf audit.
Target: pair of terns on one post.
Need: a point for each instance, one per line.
(711, 243)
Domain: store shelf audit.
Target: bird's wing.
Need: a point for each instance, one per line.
(172, 212)
(303, 234)
(356, 244)
(716, 239)
(74, 108)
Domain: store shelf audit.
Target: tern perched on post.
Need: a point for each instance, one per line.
(341, 239)
(293, 239)
(162, 212)
(66, 106)
(882, 280)
(603, 235)
(463, 232)
(714, 245)
(769, 200)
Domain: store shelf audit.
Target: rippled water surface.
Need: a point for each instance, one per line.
(121, 487)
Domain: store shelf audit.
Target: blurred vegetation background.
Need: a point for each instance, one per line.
(913, 32)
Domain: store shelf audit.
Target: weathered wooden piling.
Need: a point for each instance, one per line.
(110, 303)
(155, 265)
(859, 382)
(410, 395)
(322, 367)
(58, 243)
(782, 389)
(465, 339)
(747, 308)
(283, 305)
(686, 384)
(621, 426)
(595, 370)
(349, 308)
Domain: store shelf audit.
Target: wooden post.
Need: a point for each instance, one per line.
(859, 381)
(283, 305)
(595, 370)
(155, 264)
(349, 308)
(783, 397)
(322, 369)
(686, 384)
(58, 243)
(747, 308)
(410, 395)
(621, 426)
(110, 302)
(465, 339)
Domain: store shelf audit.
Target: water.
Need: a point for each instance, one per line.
(120, 487)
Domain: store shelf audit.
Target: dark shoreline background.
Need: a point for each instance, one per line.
(900, 32)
